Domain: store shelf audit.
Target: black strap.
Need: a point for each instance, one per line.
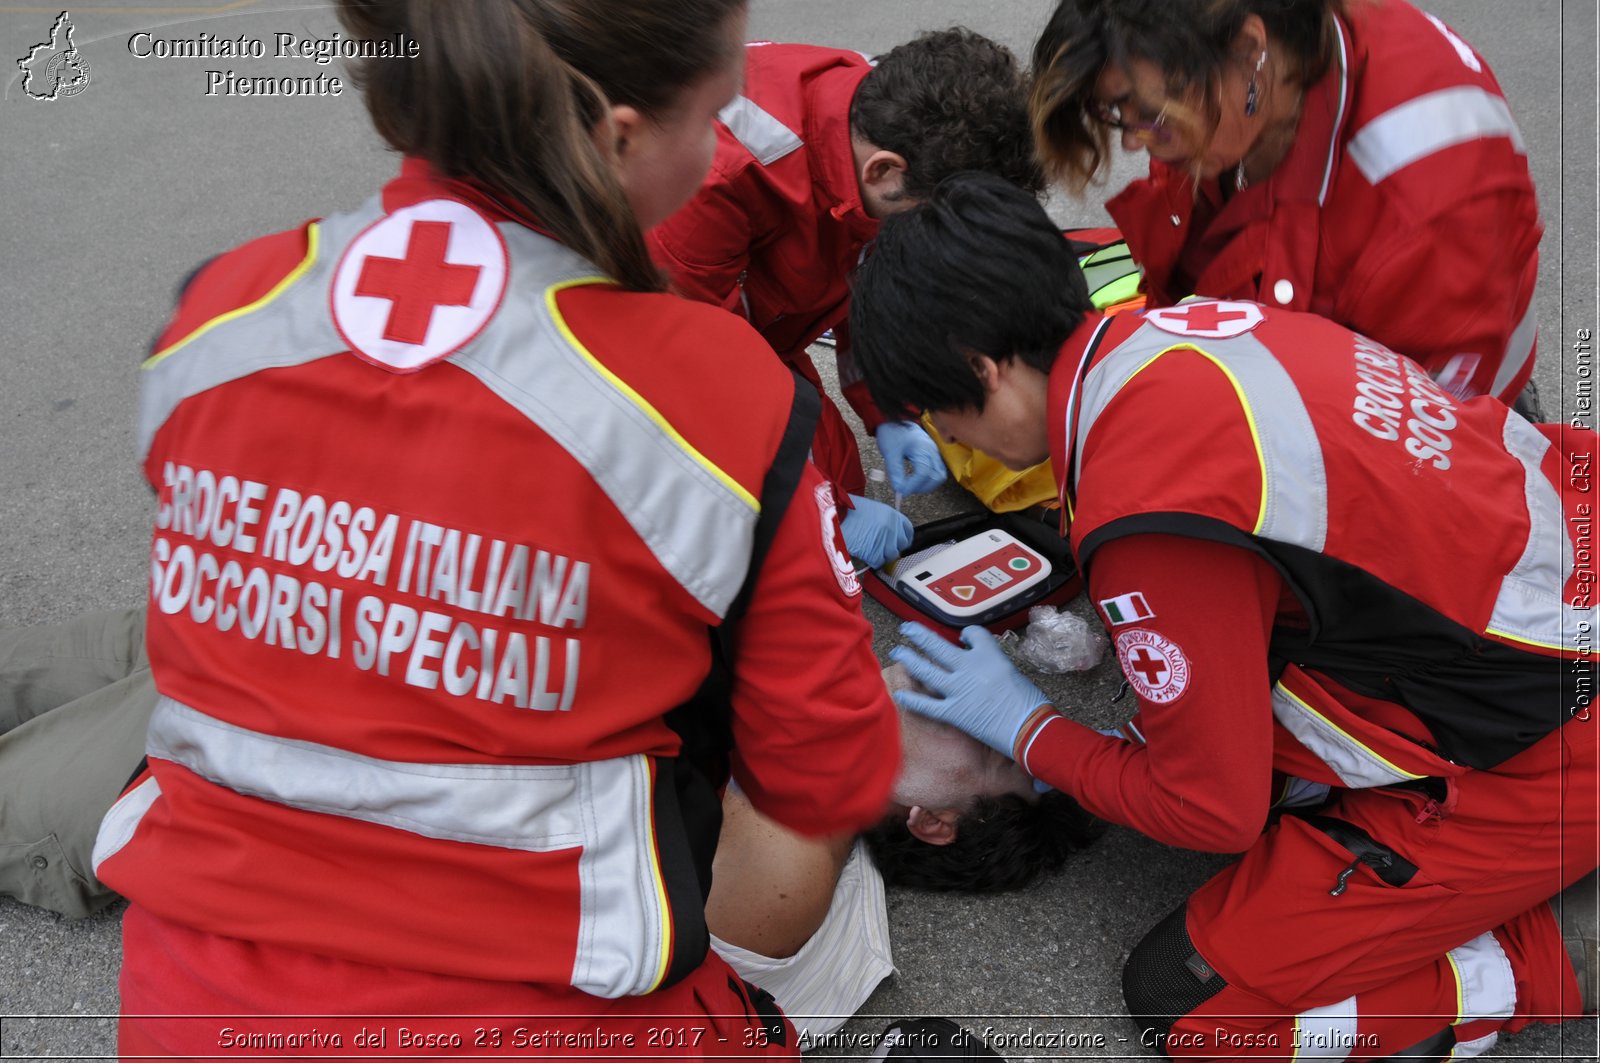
(691, 814)
(767, 1016)
(144, 766)
(1389, 865)
(705, 722)
(777, 490)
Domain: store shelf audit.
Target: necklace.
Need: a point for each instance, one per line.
(1240, 181)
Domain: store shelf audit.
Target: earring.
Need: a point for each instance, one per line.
(1252, 95)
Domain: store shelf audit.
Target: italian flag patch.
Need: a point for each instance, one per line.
(1126, 609)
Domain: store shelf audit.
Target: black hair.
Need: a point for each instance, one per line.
(1190, 41)
(977, 269)
(947, 101)
(1002, 843)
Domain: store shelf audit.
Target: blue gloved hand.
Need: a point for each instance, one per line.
(976, 689)
(875, 533)
(904, 444)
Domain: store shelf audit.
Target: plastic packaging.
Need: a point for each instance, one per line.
(878, 475)
(1056, 642)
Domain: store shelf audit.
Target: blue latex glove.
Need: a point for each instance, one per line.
(913, 458)
(875, 533)
(976, 689)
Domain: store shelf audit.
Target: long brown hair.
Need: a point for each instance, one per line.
(1191, 41)
(507, 92)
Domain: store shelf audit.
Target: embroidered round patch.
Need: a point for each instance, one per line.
(419, 284)
(1209, 319)
(1153, 664)
(844, 570)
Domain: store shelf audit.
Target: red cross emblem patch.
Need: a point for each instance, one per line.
(1208, 319)
(419, 284)
(844, 570)
(1153, 665)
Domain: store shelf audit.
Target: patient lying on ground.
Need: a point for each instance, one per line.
(805, 918)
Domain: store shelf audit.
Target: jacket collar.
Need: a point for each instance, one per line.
(832, 155)
(1065, 395)
(1306, 173)
(418, 181)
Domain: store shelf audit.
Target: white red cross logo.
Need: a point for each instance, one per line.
(419, 284)
(1153, 664)
(844, 570)
(1207, 319)
(414, 285)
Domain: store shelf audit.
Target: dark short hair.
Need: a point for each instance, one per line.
(947, 101)
(1002, 843)
(977, 269)
(1190, 41)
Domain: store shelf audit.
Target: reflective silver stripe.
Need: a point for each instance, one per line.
(279, 333)
(1023, 760)
(1338, 119)
(1328, 1032)
(116, 830)
(762, 135)
(697, 527)
(1430, 123)
(1485, 985)
(1298, 793)
(1519, 348)
(1074, 414)
(1530, 607)
(1355, 764)
(602, 806)
(1295, 480)
(1476, 1047)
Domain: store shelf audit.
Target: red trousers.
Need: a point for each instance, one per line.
(191, 995)
(1372, 969)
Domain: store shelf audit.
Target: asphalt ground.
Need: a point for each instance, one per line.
(110, 197)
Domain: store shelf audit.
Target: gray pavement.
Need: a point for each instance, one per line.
(109, 198)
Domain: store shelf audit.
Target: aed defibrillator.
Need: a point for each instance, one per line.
(977, 568)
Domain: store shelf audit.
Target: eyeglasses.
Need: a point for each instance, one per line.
(1142, 125)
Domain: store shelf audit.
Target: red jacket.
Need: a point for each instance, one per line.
(778, 226)
(1404, 210)
(1259, 568)
(430, 571)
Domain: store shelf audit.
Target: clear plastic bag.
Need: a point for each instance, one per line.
(1056, 642)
